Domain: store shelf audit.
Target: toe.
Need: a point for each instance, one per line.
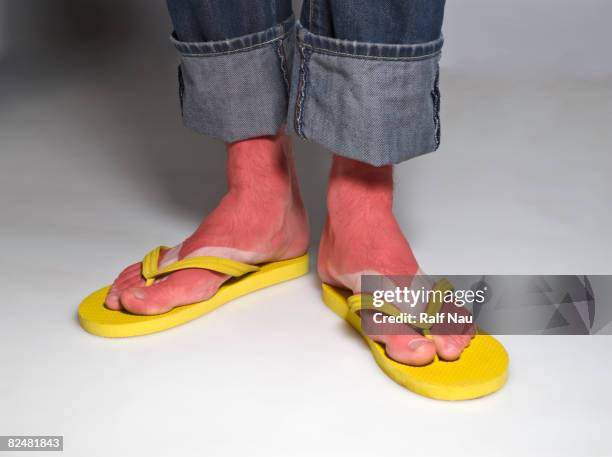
(140, 300)
(129, 271)
(410, 349)
(130, 277)
(180, 288)
(127, 280)
(450, 347)
(112, 300)
(452, 339)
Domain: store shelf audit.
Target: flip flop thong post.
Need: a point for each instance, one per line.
(96, 318)
(481, 370)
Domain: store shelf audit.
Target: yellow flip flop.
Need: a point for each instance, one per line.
(99, 320)
(481, 370)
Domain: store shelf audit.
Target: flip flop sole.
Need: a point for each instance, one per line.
(481, 370)
(97, 319)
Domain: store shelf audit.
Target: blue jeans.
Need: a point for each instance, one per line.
(359, 77)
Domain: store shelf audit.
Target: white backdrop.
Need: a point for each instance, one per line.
(95, 168)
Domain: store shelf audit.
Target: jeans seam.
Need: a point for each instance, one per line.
(435, 95)
(280, 51)
(311, 14)
(301, 91)
(235, 51)
(237, 44)
(367, 50)
(181, 88)
(362, 57)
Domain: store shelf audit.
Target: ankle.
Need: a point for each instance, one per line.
(260, 168)
(359, 189)
(263, 192)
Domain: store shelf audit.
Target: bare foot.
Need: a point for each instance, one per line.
(362, 236)
(260, 219)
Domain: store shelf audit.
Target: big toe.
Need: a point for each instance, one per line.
(139, 300)
(410, 349)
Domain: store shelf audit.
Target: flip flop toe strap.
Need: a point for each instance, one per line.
(151, 271)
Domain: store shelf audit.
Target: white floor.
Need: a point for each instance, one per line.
(96, 169)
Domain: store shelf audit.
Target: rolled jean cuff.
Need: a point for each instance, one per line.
(376, 103)
(237, 88)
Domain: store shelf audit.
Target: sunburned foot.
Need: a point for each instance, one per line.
(362, 236)
(260, 219)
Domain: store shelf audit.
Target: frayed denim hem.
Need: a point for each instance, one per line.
(237, 88)
(376, 103)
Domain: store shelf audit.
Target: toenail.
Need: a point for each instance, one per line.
(415, 344)
(138, 294)
(452, 347)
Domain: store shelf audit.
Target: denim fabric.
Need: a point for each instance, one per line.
(217, 20)
(237, 88)
(363, 83)
(375, 21)
(360, 102)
